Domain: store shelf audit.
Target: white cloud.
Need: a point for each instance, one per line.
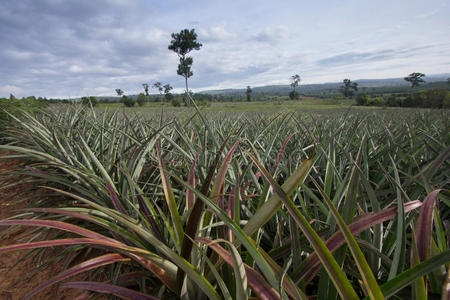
(6, 90)
(215, 33)
(75, 69)
(272, 34)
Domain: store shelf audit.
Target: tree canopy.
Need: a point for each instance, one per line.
(415, 79)
(295, 81)
(349, 88)
(159, 87)
(145, 86)
(184, 42)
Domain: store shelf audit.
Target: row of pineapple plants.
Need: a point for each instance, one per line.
(346, 204)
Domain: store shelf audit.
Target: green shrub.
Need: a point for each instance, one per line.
(392, 100)
(361, 99)
(175, 102)
(203, 103)
(293, 95)
(141, 99)
(89, 101)
(376, 101)
(128, 101)
(435, 98)
(446, 102)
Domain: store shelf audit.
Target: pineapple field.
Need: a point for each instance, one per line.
(320, 204)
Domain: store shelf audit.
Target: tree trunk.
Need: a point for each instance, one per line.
(188, 97)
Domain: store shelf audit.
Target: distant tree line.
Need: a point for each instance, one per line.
(431, 98)
(433, 94)
(33, 99)
(434, 98)
(145, 97)
(15, 106)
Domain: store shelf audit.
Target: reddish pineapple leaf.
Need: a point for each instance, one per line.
(80, 268)
(280, 154)
(424, 225)
(57, 225)
(107, 288)
(73, 241)
(93, 239)
(114, 198)
(230, 211)
(220, 178)
(195, 216)
(147, 214)
(190, 197)
(255, 280)
(359, 225)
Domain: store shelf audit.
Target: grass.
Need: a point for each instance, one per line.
(254, 106)
(276, 201)
(271, 106)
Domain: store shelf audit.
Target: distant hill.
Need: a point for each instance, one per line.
(321, 90)
(394, 84)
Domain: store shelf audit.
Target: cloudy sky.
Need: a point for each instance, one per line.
(70, 48)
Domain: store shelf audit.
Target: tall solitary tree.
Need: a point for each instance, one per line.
(415, 79)
(159, 87)
(295, 82)
(167, 93)
(182, 43)
(119, 92)
(145, 86)
(249, 93)
(349, 88)
(167, 89)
